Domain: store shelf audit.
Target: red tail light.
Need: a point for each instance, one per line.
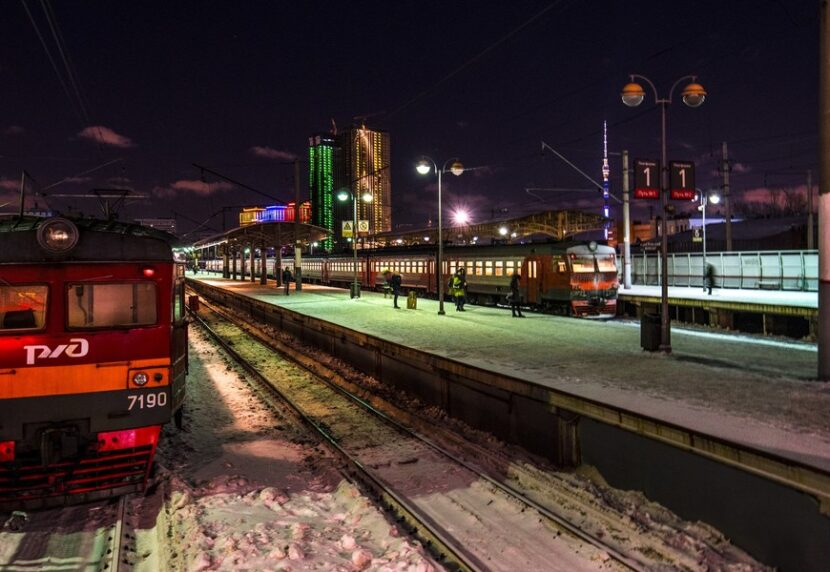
(128, 438)
(6, 451)
(148, 271)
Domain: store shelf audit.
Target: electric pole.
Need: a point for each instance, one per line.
(298, 270)
(626, 224)
(823, 329)
(727, 204)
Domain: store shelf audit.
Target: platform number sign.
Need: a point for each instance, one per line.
(646, 179)
(682, 180)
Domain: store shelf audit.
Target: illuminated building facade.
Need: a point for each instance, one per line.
(361, 165)
(321, 182)
(274, 213)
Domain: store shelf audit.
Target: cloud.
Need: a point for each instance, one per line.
(741, 168)
(270, 153)
(9, 184)
(194, 186)
(106, 136)
(14, 130)
(119, 180)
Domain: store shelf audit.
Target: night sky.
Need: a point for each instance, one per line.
(239, 87)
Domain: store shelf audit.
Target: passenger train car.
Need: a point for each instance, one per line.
(93, 356)
(579, 279)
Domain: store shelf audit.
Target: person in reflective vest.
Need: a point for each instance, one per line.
(458, 289)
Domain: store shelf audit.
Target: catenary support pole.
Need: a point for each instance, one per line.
(727, 204)
(626, 224)
(263, 264)
(824, 194)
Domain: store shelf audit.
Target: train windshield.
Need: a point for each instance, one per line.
(583, 263)
(111, 305)
(607, 262)
(23, 307)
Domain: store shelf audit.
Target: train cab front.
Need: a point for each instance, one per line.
(86, 377)
(593, 281)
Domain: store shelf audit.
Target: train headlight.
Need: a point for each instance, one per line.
(57, 235)
(141, 378)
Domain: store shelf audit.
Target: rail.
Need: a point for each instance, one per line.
(792, 270)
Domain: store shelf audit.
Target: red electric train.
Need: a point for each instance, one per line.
(573, 278)
(93, 356)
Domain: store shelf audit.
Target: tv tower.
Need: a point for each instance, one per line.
(606, 172)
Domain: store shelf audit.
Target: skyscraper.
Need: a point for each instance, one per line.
(321, 182)
(361, 165)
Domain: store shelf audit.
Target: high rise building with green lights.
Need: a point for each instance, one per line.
(321, 183)
(361, 166)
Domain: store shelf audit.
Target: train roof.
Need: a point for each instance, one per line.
(558, 247)
(98, 241)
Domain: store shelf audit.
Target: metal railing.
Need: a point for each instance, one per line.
(771, 270)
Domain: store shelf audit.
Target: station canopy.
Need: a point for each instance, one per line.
(270, 234)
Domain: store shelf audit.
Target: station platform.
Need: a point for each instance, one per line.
(749, 390)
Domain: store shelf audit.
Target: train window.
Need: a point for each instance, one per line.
(488, 268)
(479, 268)
(111, 305)
(607, 263)
(560, 266)
(23, 307)
(178, 301)
(582, 263)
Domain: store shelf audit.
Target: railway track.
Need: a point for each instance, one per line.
(96, 536)
(438, 523)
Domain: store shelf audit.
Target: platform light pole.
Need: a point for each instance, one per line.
(343, 195)
(705, 199)
(693, 95)
(823, 329)
(424, 166)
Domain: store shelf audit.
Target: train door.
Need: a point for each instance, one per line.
(531, 278)
(178, 355)
(371, 272)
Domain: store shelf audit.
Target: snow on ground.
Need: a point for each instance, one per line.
(731, 387)
(249, 491)
(767, 297)
(625, 519)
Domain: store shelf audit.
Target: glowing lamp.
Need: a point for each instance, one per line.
(57, 235)
(461, 217)
(633, 94)
(456, 168)
(342, 196)
(367, 197)
(694, 95)
(503, 230)
(714, 199)
(423, 167)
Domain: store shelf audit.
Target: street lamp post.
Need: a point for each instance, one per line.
(705, 199)
(693, 96)
(343, 195)
(424, 166)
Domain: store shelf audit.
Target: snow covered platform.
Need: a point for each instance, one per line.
(747, 390)
(776, 298)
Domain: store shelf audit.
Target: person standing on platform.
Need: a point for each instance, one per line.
(710, 277)
(458, 286)
(515, 296)
(287, 278)
(394, 282)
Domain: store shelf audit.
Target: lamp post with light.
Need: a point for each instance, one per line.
(424, 166)
(343, 195)
(693, 95)
(705, 199)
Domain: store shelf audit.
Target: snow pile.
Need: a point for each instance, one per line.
(250, 491)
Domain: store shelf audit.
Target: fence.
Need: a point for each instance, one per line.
(784, 270)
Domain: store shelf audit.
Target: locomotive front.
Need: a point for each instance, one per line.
(594, 283)
(92, 357)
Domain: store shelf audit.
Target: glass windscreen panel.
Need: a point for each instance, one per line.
(111, 305)
(607, 263)
(23, 307)
(583, 264)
